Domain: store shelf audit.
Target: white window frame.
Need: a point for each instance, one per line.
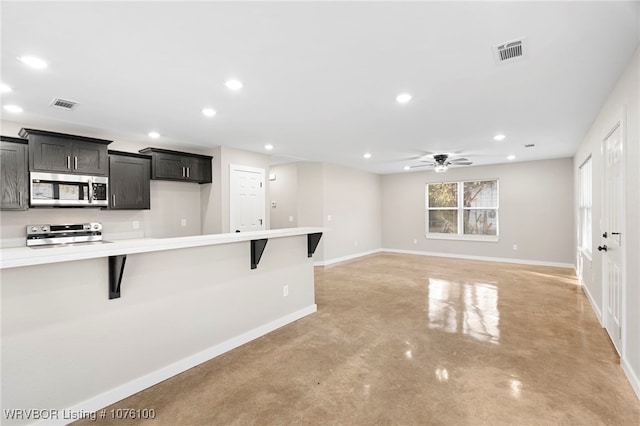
(460, 214)
(585, 208)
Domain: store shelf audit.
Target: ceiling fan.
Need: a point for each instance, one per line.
(441, 162)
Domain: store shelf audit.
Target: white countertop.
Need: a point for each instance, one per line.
(26, 256)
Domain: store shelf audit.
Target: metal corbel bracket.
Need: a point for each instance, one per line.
(116, 269)
(257, 248)
(312, 243)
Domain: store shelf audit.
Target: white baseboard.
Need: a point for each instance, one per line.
(114, 395)
(345, 258)
(593, 304)
(484, 258)
(631, 375)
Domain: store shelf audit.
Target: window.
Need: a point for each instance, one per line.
(462, 210)
(585, 204)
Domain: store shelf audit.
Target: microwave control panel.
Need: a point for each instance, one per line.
(100, 191)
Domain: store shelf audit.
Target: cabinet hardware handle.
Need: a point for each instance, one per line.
(113, 199)
(75, 163)
(183, 171)
(20, 198)
(68, 162)
(188, 171)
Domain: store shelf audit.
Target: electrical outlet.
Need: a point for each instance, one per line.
(515, 247)
(329, 218)
(290, 218)
(136, 224)
(285, 291)
(183, 222)
(415, 241)
(274, 204)
(355, 243)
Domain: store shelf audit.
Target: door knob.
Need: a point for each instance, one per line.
(602, 248)
(605, 235)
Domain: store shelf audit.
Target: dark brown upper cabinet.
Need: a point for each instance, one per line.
(179, 166)
(129, 176)
(13, 174)
(62, 153)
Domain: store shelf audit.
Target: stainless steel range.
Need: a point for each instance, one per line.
(54, 235)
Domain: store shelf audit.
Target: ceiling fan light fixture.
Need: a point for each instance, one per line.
(499, 137)
(440, 168)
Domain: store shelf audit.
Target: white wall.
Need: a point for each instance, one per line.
(215, 215)
(311, 200)
(350, 197)
(623, 103)
(353, 200)
(284, 193)
(535, 212)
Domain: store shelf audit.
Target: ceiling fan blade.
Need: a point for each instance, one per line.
(462, 163)
(420, 165)
(458, 160)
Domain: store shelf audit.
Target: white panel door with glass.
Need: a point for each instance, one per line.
(246, 198)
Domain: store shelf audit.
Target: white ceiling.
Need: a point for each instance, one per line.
(320, 78)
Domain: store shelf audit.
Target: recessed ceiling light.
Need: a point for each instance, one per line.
(511, 157)
(208, 112)
(233, 84)
(13, 108)
(154, 135)
(403, 98)
(367, 155)
(33, 62)
(4, 88)
(407, 167)
(268, 147)
(499, 137)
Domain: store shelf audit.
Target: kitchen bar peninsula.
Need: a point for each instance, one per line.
(67, 346)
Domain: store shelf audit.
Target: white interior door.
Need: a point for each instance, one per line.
(246, 198)
(612, 247)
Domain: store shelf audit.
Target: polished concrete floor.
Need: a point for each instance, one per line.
(413, 340)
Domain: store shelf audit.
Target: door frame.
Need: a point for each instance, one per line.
(620, 123)
(238, 167)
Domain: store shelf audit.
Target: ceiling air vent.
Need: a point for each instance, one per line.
(509, 51)
(64, 104)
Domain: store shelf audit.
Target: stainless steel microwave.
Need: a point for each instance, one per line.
(63, 190)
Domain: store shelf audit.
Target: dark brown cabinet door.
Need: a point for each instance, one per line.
(13, 176)
(90, 158)
(199, 170)
(129, 182)
(169, 166)
(51, 154)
